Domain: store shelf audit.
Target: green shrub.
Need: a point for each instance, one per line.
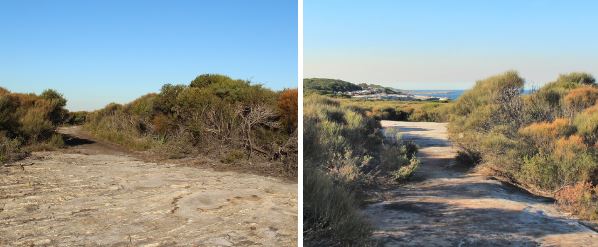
(407, 171)
(586, 124)
(233, 156)
(468, 158)
(206, 80)
(330, 215)
(578, 78)
(10, 149)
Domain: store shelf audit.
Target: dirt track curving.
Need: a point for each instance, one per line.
(447, 206)
(92, 194)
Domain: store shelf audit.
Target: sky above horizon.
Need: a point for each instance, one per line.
(433, 44)
(97, 52)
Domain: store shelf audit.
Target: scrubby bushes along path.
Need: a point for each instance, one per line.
(545, 141)
(27, 122)
(214, 114)
(345, 152)
(412, 111)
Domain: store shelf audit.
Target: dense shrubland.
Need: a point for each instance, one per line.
(28, 121)
(345, 151)
(214, 114)
(545, 141)
(414, 111)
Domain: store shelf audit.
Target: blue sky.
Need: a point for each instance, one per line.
(448, 44)
(97, 52)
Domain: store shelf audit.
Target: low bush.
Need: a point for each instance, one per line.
(468, 159)
(407, 171)
(233, 156)
(580, 98)
(580, 199)
(330, 215)
(10, 149)
(586, 124)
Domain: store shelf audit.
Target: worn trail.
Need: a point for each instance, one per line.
(448, 206)
(92, 194)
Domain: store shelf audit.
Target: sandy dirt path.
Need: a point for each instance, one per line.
(447, 206)
(92, 194)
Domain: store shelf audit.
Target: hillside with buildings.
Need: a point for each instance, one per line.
(335, 87)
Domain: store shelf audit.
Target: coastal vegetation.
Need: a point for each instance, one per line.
(545, 141)
(413, 111)
(232, 120)
(28, 121)
(345, 153)
(398, 109)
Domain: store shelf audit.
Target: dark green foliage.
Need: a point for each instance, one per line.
(468, 159)
(328, 86)
(578, 78)
(206, 80)
(76, 118)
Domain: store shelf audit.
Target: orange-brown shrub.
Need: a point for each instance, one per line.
(581, 98)
(288, 106)
(580, 199)
(161, 123)
(545, 132)
(3, 91)
(569, 147)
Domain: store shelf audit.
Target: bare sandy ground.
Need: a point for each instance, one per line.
(94, 195)
(447, 206)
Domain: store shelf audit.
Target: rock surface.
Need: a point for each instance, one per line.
(94, 195)
(447, 206)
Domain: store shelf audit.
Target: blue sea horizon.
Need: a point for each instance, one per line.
(450, 94)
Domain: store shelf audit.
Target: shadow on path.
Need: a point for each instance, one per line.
(72, 141)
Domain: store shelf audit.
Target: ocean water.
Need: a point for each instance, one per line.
(451, 94)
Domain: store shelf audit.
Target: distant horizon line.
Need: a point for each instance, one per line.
(527, 86)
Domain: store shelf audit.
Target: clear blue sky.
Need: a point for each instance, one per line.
(448, 44)
(97, 52)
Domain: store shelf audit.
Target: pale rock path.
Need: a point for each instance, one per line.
(447, 206)
(93, 195)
